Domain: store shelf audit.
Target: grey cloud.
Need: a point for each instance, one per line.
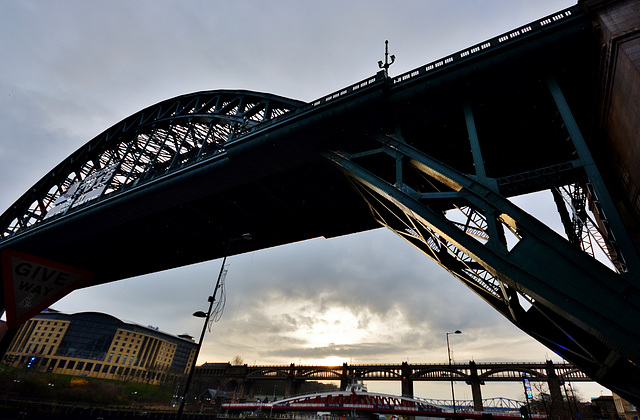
(334, 350)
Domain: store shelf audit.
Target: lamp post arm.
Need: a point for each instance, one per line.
(212, 299)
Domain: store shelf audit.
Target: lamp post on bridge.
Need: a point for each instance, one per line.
(453, 397)
(386, 63)
(207, 316)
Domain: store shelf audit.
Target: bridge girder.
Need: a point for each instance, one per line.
(548, 287)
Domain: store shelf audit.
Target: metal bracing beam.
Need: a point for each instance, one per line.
(581, 229)
(476, 152)
(496, 233)
(609, 214)
(579, 308)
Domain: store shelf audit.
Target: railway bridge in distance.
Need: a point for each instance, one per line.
(243, 379)
(434, 154)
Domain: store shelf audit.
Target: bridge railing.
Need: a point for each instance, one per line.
(453, 59)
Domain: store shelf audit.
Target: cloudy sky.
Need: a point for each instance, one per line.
(71, 69)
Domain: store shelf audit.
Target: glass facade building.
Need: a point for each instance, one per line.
(99, 345)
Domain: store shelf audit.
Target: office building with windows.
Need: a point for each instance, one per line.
(99, 345)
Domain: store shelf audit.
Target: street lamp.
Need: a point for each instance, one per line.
(453, 397)
(207, 316)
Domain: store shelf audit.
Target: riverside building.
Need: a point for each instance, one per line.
(99, 345)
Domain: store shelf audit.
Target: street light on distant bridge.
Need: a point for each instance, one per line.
(207, 316)
(453, 397)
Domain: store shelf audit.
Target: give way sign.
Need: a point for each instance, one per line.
(31, 284)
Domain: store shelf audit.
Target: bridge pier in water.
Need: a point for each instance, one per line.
(407, 382)
(475, 383)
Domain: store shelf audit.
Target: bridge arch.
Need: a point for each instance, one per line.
(267, 372)
(161, 138)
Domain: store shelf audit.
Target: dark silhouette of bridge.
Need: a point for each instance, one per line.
(433, 154)
(242, 379)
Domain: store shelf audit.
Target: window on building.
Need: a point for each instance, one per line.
(97, 367)
(62, 363)
(80, 365)
(71, 364)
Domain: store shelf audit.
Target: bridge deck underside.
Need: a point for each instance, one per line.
(275, 184)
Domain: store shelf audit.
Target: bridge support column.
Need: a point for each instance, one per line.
(475, 383)
(297, 386)
(289, 382)
(247, 386)
(557, 403)
(344, 377)
(407, 382)
(288, 387)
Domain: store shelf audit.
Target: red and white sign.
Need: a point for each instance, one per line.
(31, 284)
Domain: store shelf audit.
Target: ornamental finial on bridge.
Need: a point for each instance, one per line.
(386, 63)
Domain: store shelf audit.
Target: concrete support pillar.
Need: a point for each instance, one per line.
(617, 25)
(344, 377)
(247, 386)
(407, 382)
(557, 402)
(289, 382)
(297, 386)
(288, 386)
(475, 383)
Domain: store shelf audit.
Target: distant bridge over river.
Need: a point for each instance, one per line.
(242, 378)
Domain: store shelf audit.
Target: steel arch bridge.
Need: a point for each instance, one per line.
(149, 144)
(429, 154)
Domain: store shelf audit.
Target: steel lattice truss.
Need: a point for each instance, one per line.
(551, 287)
(155, 141)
